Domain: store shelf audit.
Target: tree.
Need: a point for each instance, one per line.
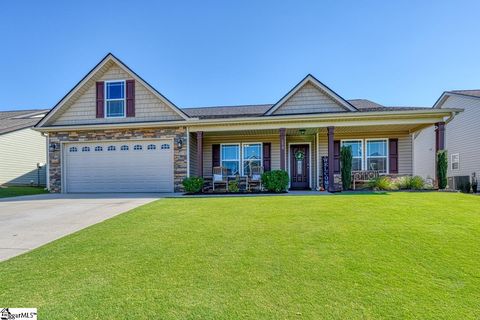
(346, 166)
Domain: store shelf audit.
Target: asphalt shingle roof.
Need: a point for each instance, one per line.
(473, 93)
(21, 119)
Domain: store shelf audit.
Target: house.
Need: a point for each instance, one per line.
(462, 135)
(113, 132)
(23, 151)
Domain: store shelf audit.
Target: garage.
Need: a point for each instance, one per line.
(118, 166)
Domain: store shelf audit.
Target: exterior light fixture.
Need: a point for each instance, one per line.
(302, 131)
(179, 143)
(54, 146)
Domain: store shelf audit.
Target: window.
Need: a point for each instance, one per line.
(230, 158)
(73, 149)
(124, 148)
(98, 148)
(165, 146)
(377, 155)
(251, 156)
(137, 147)
(357, 153)
(111, 148)
(151, 147)
(85, 149)
(455, 161)
(115, 99)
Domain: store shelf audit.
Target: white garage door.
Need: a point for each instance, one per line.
(133, 166)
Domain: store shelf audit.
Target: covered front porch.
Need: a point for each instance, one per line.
(309, 154)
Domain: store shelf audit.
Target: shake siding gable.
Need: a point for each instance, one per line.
(309, 99)
(82, 109)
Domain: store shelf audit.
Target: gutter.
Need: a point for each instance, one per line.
(261, 119)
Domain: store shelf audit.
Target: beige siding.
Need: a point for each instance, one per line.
(463, 135)
(82, 110)
(424, 153)
(405, 151)
(20, 151)
(309, 99)
(208, 141)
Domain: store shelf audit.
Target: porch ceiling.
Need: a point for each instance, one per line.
(399, 128)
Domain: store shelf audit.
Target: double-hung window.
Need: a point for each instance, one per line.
(230, 158)
(377, 155)
(455, 161)
(357, 153)
(251, 156)
(115, 99)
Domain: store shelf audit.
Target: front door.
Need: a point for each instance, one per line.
(299, 166)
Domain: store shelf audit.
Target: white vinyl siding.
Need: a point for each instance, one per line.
(20, 151)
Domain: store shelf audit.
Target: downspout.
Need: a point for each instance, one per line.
(452, 116)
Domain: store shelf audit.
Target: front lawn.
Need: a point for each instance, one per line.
(391, 256)
(6, 192)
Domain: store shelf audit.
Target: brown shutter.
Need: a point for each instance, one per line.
(130, 98)
(336, 156)
(100, 99)
(393, 155)
(215, 155)
(267, 147)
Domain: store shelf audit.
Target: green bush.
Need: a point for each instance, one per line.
(417, 183)
(442, 165)
(403, 183)
(275, 180)
(233, 186)
(383, 183)
(346, 165)
(193, 184)
(465, 186)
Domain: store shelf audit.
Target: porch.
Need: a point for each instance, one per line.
(310, 155)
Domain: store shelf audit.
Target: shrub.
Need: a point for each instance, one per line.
(193, 184)
(465, 186)
(233, 186)
(403, 183)
(275, 180)
(382, 183)
(442, 165)
(417, 183)
(346, 165)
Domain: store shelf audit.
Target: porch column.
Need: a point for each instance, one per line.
(283, 142)
(331, 164)
(200, 153)
(439, 136)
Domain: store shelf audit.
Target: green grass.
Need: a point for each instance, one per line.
(6, 192)
(390, 256)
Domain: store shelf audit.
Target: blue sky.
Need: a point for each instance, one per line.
(203, 53)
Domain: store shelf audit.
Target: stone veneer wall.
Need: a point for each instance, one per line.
(180, 155)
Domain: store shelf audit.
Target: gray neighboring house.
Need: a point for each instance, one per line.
(462, 138)
(21, 148)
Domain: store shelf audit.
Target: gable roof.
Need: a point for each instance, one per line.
(258, 110)
(309, 78)
(108, 58)
(475, 93)
(19, 119)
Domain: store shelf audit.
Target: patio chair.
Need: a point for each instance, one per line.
(255, 178)
(220, 177)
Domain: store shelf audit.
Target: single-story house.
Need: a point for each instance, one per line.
(462, 136)
(23, 151)
(114, 132)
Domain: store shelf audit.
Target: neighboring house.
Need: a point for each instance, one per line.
(462, 136)
(113, 132)
(22, 149)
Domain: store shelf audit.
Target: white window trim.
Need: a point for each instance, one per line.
(124, 98)
(387, 157)
(239, 155)
(242, 155)
(451, 161)
(362, 147)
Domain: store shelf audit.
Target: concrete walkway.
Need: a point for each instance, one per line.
(28, 222)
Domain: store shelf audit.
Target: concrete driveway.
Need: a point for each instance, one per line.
(31, 221)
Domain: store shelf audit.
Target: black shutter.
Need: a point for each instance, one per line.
(336, 156)
(393, 155)
(215, 155)
(267, 147)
